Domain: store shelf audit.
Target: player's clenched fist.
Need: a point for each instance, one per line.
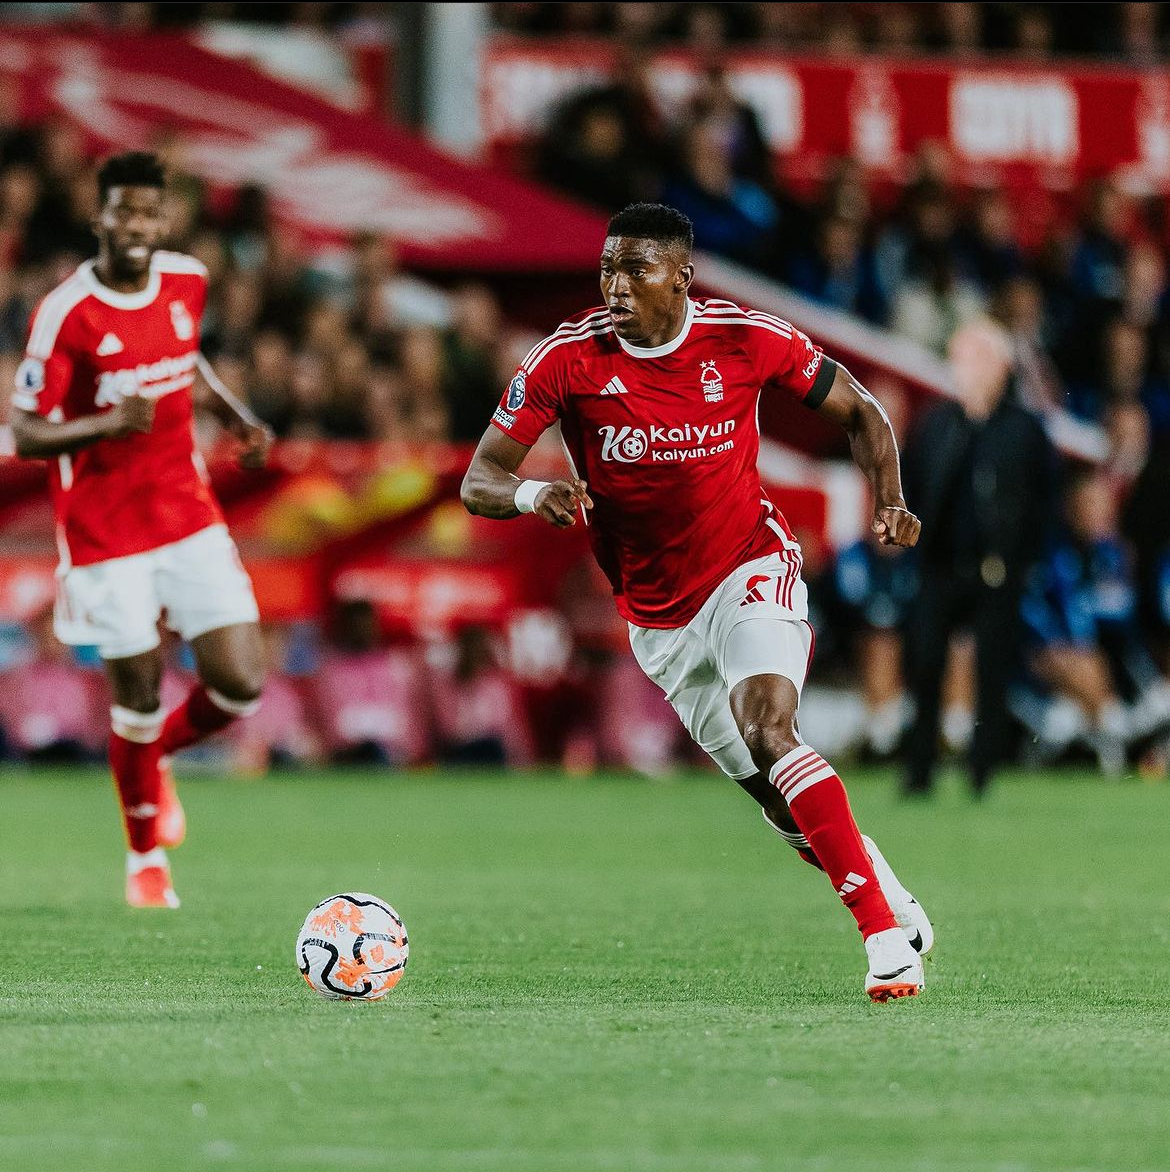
(257, 439)
(896, 526)
(557, 503)
(135, 413)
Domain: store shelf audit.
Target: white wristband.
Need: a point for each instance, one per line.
(526, 493)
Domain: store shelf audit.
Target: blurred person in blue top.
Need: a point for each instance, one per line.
(1080, 611)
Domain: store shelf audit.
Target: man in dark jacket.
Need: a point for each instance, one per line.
(981, 474)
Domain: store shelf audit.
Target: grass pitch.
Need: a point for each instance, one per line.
(611, 974)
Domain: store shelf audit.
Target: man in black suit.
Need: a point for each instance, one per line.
(981, 474)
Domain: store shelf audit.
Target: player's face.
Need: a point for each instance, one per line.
(130, 227)
(644, 285)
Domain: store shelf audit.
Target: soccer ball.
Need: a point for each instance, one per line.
(352, 947)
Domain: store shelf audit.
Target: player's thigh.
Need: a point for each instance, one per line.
(203, 584)
(111, 605)
(765, 646)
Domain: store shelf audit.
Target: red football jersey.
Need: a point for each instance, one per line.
(667, 439)
(90, 346)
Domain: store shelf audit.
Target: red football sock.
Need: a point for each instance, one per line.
(204, 712)
(134, 754)
(820, 807)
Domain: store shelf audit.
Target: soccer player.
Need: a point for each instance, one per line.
(105, 394)
(656, 395)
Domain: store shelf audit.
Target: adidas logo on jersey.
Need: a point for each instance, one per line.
(110, 344)
(615, 386)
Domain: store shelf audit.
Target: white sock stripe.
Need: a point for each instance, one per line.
(141, 727)
(787, 762)
(816, 765)
(232, 707)
(801, 786)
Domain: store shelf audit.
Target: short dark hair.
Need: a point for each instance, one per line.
(132, 169)
(653, 221)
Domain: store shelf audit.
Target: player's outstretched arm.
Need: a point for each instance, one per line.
(39, 438)
(491, 487)
(875, 452)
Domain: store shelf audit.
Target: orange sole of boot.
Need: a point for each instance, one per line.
(893, 992)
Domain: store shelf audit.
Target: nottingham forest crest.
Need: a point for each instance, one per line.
(712, 382)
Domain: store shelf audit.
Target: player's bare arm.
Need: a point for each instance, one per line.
(875, 451)
(235, 417)
(38, 438)
(490, 487)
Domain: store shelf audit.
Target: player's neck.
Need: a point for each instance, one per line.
(105, 272)
(674, 326)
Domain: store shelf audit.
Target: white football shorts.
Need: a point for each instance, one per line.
(199, 582)
(754, 623)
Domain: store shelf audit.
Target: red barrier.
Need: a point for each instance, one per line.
(1014, 124)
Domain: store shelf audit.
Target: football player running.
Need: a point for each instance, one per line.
(105, 395)
(656, 396)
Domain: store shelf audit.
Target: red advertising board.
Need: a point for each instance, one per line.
(1003, 123)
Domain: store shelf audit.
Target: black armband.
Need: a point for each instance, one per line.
(821, 384)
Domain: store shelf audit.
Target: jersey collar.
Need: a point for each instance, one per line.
(139, 300)
(667, 347)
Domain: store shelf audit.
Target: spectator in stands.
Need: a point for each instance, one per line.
(931, 306)
(1127, 376)
(732, 216)
(1020, 307)
(422, 363)
(1147, 525)
(1096, 274)
(979, 474)
(1034, 38)
(49, 706)
(368, 697)
(909, 247)
(478, 714)
(606, 145)
(960, 28)
(471, 362)
(876, 587)
(839, 271)
(1081, 612)
(988, 244)
(735, 123)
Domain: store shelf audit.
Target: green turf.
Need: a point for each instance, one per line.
(612, 974)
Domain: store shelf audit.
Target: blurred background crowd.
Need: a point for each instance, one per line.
(343, 343)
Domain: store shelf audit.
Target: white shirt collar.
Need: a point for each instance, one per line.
(138, 300)
(667, 347)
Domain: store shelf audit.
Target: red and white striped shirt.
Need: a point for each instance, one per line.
(88, 348)
(667, 439)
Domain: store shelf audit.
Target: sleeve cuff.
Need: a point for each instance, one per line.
(819, 391)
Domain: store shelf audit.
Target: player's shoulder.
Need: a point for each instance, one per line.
(719, 314)
(54, 309)
(581, 332)
(178, 264)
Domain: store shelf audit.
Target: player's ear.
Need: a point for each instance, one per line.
(683, 277)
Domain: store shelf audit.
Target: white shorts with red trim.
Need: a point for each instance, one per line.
(754, 623)
(199, 582)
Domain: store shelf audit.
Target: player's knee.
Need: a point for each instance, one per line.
(144, 698)
(242, 683)
(769, 737)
